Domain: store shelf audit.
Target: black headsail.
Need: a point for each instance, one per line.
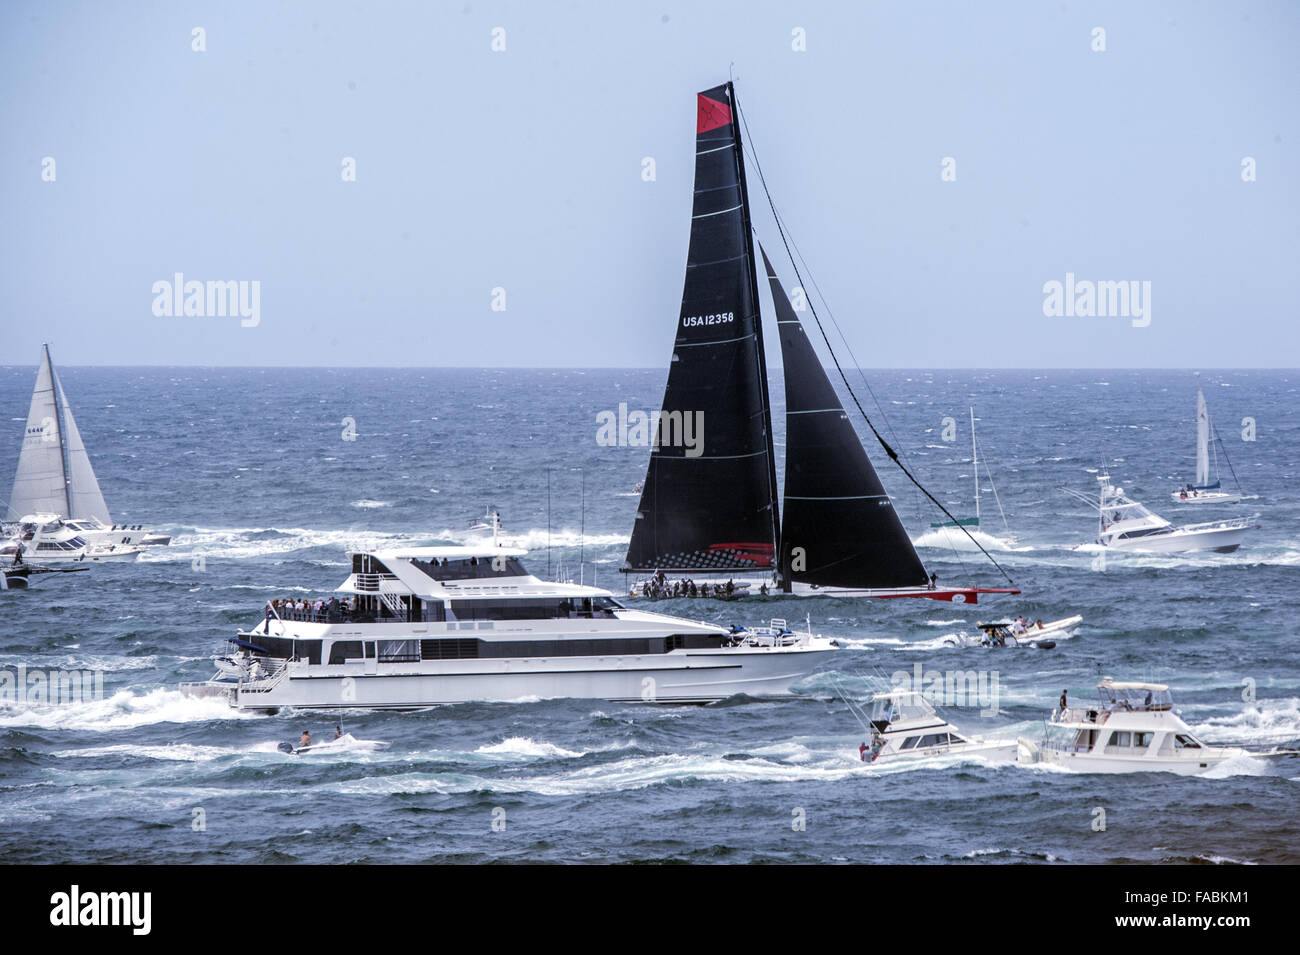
(841, 529)
(710, 504)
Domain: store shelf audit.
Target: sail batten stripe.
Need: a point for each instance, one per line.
(713, 457)
(827, 497)
(720, 212)
(701, 265)
(715, 149)
(725, 341)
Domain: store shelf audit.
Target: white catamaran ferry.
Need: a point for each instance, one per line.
(424, 626)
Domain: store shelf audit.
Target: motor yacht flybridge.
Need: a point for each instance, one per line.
(1124, 524)
(709, 505)
(424, 626)
(55, 477)
(1132, 728)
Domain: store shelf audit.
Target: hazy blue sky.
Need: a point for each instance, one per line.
(522, 169)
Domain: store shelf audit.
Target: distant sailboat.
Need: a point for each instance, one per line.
(55, 480)
(713, 509)
(950, 533)
(1204, 492)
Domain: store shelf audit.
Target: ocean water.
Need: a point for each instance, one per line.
(251, 471)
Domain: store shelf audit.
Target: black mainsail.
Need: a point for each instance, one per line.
(840, 527)
(711, 505)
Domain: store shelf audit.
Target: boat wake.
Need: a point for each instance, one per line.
(955, 540)
(123, 710)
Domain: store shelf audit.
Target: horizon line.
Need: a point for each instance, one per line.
(914, 368)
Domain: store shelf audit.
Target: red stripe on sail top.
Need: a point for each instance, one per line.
(712, 114)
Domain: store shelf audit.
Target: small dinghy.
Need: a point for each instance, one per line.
(1040, 636)
(344, 743)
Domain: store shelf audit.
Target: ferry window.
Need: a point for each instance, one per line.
(370, 651)
(1142, 739)
(1122, 738)
(1182, 740)
(344, 650)
(910, 742)
(399, 651)
(510, 609)
(308, 650)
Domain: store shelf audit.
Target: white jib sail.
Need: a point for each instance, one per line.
(39, 485)
(85, 498)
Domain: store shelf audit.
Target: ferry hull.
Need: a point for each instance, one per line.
(678, 677)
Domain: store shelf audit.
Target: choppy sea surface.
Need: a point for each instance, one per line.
(251, 471)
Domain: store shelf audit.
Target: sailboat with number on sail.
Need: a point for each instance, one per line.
(56, 500)
(713, 509)
(1204, 492)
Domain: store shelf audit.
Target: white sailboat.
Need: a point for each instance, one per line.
(1203, 491)
(1127, 525)
(950, 534)
(55, 479)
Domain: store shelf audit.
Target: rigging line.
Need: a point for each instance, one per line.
(826, 305)
(993, 485)
(1236, 480)
(893, 455)
(889, 424)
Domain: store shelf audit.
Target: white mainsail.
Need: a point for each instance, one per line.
(54, 472)
(39, 485)
(85, 499)
(1202, 441)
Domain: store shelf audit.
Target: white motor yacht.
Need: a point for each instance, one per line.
(904, 725)
(1132, 728)
(48, 538)
(425, 626)
(1126, 525)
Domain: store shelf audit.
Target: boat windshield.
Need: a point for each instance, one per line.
(896, 707)
(1137, 697)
